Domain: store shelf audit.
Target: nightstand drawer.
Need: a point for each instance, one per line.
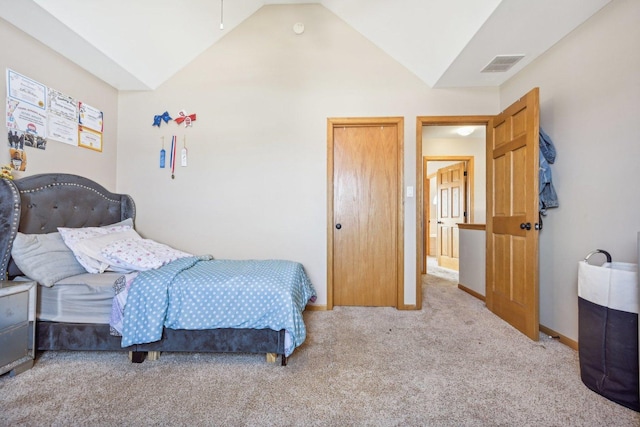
(14, 309)
(18, 301)
(14, 343)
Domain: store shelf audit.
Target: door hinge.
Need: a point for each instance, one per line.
(465, 173)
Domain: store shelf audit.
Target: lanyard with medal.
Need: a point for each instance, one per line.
(172, 156)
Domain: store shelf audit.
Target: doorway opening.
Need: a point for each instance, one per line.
(436, 143)
(448, 187)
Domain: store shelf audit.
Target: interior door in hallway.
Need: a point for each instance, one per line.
(365, 237)
(512, 215)
(451, 211)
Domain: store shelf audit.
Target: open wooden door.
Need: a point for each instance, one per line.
(512, 215)
(451, 211)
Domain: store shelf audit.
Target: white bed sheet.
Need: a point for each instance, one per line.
(85, 298)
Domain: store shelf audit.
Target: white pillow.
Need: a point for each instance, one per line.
(72, 236)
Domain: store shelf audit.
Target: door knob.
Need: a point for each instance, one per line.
(338, 226)
(525, 226)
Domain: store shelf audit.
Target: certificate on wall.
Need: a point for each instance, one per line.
(88, 138)
(89, 127)
(90, 117)
(26, 105)
(26, 90)
(63, 118)
(25, 118)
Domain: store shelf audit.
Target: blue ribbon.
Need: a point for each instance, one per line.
(157, 120)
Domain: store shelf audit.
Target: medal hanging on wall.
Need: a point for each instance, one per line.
(172, 156)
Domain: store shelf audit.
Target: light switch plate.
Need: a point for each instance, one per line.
(410, 191)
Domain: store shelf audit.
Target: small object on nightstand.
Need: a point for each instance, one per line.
(17, 326)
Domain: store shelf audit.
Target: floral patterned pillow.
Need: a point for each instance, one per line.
(92, 248)
(73, 236)
(141, 254)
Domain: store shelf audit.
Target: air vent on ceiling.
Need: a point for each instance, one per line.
(502, 63)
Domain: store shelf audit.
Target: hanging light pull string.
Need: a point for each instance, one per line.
(221, 14)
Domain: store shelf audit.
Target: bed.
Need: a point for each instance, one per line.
(76, 308)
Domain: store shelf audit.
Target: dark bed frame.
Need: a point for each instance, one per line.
(40, 204)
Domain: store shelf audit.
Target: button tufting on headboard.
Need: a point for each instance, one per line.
(41, 203)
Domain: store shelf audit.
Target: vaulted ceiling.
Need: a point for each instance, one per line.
(446, 43)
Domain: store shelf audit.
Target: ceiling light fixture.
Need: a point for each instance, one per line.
(465, 130)
(221, 14)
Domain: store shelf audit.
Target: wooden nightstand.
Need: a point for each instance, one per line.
(17, 326)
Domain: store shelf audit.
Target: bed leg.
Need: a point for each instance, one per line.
(283, 362)
(271, 357)
(153, 355)
(137, 356)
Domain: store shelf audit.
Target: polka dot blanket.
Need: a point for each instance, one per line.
(205, 293)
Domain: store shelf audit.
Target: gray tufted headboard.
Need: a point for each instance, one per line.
(40, 204)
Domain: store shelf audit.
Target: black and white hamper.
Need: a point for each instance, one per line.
(608, 329)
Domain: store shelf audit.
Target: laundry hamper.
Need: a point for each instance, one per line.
(608, 329)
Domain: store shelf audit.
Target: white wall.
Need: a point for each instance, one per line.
(27, 56)
(590, 106)
(473, 260)
(256, 185)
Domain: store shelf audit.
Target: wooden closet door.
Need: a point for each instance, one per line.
(365, 215)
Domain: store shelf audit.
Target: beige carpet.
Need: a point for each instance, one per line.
(451, 364)
(440, 272)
